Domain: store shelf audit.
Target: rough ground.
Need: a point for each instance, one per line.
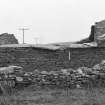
(33, 96)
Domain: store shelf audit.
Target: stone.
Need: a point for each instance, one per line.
(6, 38)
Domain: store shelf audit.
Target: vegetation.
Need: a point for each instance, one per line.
(33, 96)
(38, 94)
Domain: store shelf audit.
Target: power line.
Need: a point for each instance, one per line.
(37, 40)
(23, 29)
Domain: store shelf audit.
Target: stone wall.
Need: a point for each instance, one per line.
(99, 33)
(86, 56)
(41, 59)
(33, 58)
(8, 39)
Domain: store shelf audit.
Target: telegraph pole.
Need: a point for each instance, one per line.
(23, 29)
(37, 40)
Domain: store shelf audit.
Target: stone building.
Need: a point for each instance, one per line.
(86, 52)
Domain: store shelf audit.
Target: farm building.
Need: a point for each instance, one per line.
(87, 52)
(44, 57)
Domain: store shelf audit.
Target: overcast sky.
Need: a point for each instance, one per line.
(50, 20)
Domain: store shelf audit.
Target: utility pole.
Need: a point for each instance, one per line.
(23, 29)
(37, 40)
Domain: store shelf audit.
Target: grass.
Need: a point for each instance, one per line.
(37, 96)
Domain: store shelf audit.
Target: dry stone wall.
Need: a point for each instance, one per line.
(86, 57)
(41, 59)
(99, 33)
(33, 58)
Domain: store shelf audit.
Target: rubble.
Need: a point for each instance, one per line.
(83, 77)
(11, 76)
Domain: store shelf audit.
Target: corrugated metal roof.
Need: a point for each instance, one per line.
(59, 46)
(49, 47)
(75, 45)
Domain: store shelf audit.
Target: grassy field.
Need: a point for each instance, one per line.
(33, 96)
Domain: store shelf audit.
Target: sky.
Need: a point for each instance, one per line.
(50, 21)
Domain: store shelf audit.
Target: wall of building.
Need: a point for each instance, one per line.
(87, 57)
(33, 58)
(41, 59)
(99, 33)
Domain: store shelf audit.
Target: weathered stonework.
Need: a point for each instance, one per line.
(74, 55)
(42, 59)
(33, 58)
(86, 57)
(8, 39)
(99, 33)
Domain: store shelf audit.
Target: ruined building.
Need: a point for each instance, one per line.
(6, 38)
(86, 52)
